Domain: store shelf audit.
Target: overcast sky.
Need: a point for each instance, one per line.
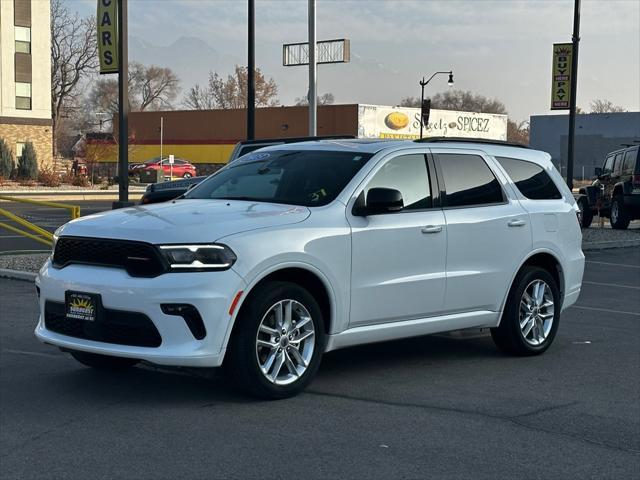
(500, 48)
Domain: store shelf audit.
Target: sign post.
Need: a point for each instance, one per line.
(171, 162)
(564, 84)
(111, 22)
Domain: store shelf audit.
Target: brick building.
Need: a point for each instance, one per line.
(25, 76)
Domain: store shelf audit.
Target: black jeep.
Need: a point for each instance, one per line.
(615, 191)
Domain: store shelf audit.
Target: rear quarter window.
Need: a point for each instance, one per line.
(630, 157)
(531, 179)
(468, 181)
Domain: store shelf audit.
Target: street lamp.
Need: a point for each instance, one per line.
(423, 83)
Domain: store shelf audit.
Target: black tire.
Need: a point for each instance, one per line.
(103, 362)
(586, 214)
(187, 175)
(618, 216)
(508, 337)
(242, 362)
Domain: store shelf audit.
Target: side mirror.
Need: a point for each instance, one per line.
(598, 171)
(383, 200)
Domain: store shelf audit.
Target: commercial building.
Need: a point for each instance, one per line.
(207, 137)
(596, 135)
(25, 76)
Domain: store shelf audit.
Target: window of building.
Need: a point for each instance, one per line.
(407, 174)
(468, 181)
(23, 39)
(531, 179)
(23, 96)
(19, 149)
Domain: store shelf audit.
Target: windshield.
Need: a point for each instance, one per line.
(310, 178)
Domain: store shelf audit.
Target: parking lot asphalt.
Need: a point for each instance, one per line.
(429, 407)
(44, 217)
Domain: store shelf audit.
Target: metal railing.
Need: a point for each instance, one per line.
(33, 231)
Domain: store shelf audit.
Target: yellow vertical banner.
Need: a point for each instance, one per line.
(561, 76)
(106, 22)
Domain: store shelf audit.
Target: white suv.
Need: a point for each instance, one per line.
(296, 250)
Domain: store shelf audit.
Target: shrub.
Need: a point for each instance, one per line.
(75, 180)
(28, 163)
(49, 177)
(80, 181)
(6, 160)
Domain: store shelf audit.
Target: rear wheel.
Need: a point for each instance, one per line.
(586, 214)
(277, 342)
(618, 217)
(532, 313)
(103, 362)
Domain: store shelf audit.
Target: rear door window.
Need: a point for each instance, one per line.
(617, 166)
(531, 179)
(468, 181)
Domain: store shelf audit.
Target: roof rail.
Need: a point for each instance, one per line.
(296, 139)
(470, 140)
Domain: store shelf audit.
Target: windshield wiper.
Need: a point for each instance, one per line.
(239, 197)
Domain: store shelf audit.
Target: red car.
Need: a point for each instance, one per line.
(181, 168)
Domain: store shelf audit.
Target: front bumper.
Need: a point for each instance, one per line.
(210, 292)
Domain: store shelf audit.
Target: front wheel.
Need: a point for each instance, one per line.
(277, 342)
(103, 362)
(618, 216)
(531, 315)
(187, 175)
(586, 214)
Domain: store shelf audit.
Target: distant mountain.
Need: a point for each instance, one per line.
(191, 58)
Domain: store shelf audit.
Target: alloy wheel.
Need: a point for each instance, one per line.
(285, 342)
(536, 312)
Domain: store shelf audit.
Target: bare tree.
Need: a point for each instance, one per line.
(73, 57)
(155, 87)
(232, 92)
(199, 99)
(413, 102)
(150, 88)
(324, 99)
(461, 100)
(605, 106)
(518, 132)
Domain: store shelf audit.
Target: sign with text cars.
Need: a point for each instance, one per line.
(106, 23)
(561, 76)
(377, 121)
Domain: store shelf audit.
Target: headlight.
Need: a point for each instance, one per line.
(198, 257)
(56, 235)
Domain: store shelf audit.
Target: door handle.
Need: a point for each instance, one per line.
(432, 229)
(517, 223)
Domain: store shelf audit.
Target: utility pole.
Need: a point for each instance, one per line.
(123, 108)
(251, 68)
(313, 74)
(574, 90)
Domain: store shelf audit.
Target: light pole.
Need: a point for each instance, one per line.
(423, 83)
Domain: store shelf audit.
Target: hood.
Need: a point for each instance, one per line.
(195, 221)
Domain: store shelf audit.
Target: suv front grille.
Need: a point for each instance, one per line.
(137, 258)
(116, 326)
